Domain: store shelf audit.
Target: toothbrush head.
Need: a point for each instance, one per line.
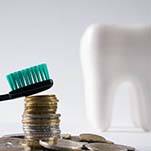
(29, 81)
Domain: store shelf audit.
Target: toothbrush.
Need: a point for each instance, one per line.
(27, 82)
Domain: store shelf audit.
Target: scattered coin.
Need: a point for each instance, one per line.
(109, 142)
(11, 144)
(63, 145)
(19, 135)
(66, 136)
(66, 144)
(108, 147)
(75, 138)
(92, 138)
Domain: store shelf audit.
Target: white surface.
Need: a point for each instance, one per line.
(121, 135)
(35, 31)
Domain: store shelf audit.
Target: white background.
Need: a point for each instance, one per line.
(34, 31)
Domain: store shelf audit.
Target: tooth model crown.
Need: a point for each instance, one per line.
(110, 55)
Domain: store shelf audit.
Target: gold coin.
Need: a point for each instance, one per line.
(32, 143)
(51, 140)
(41, 104)
(41, 112)
(41, 101)
(41, 108)
(47, 98)
(41, 96)
(40, 121)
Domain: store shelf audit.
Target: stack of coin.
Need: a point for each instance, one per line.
(40, 120)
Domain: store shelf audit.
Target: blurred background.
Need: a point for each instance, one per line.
(49, 31)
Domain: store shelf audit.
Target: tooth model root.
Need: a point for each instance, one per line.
(111, 55)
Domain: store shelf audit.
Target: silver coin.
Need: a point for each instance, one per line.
(38, 137)
(41, 126)
(63, 144)
(11, 144)
(66, 136)
(108, 147)
(37, 132)
(32, 131)
(41, 137)
(37, 129)
(18, 135)
(41, 132)
(41, 129)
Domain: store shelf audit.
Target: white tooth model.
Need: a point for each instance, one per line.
(110, 55)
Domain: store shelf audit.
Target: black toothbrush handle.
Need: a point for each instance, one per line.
(4, 97)
(28, 90)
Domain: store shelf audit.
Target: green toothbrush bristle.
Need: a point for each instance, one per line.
(28, 76)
